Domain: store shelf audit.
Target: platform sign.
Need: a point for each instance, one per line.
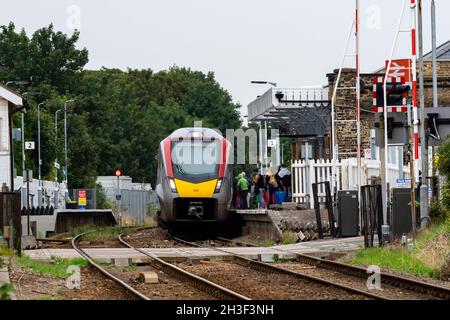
(82, 199)
(271, 143)
(403, 183)
(29, 145)
(400, 68)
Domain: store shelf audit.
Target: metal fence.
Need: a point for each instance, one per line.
(136, 206)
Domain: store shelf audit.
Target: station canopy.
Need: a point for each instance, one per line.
(300, 112)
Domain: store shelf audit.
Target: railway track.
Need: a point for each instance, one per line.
(129, 289)
(269, 268)
(196, 281)
(359, 272)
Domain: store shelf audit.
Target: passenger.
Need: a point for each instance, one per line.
(250, 189)
(242, 187)
(284, 176)
(272, 184)
(234, 203)
(260, 188)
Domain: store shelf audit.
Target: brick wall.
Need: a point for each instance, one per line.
(346, 104)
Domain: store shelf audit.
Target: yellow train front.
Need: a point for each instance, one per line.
(194, 180)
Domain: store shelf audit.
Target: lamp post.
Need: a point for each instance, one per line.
(273, 84)
(66, 176)
(56, 159)
(39, 154)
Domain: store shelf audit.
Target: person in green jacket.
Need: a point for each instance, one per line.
(242, 187)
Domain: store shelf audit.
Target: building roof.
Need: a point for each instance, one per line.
(12, 96)
(442, 52)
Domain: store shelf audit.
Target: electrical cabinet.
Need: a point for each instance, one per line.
(348, 214)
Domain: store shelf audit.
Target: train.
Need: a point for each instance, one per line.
(194, 180)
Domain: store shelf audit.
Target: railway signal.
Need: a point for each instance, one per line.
(397, 93)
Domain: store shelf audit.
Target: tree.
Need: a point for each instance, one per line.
(119, 117)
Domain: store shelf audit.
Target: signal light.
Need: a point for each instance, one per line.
(118, 173)
(396, 94)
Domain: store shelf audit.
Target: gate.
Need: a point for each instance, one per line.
(328, 204)
(372, 214)
(11, 216)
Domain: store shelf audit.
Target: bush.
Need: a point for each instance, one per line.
(5, 291)
(289, 237)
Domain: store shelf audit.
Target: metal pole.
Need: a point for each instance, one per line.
(358, 110)
(39, 155)
(385, 148)
(266, 160)
(435, 78)
(260, 147)
(66, 173)
(22, 117)
(28, 203)
(433, 37)
(415, 109)
(424, 205)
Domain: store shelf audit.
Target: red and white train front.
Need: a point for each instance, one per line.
(194, 178)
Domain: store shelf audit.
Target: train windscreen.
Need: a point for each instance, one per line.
(195, 161)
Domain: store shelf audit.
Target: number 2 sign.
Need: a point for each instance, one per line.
(29, 145)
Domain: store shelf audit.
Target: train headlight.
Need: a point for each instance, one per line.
(172, 185)
(218, 185)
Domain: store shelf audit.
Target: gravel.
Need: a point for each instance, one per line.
(266, 286)
(387, 291)
(168, 287)
(94, 286)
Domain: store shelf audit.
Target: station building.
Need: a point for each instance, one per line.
(304, 114)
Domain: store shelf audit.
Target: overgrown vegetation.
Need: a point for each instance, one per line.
(5, 291)
(57, 268)
(47, 297)
(288, 237)
(94, 233)
(431, 253)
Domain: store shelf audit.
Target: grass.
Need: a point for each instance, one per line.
(47, 297)
(269, 242)
(288, 237)
(392, 259)
(5, 291)
(130, 268)
(56, 269)
(5, 251)
(95, 233)
(430, 256)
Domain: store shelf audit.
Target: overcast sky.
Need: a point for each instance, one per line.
(291, 42)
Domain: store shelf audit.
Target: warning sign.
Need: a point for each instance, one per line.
(400, 68)
(82, 199)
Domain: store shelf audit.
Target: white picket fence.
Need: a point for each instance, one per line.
(307, 172)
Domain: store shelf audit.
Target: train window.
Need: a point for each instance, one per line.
(195, 160)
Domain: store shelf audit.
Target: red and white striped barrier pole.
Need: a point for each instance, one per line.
(358, 104)
(414, 89)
